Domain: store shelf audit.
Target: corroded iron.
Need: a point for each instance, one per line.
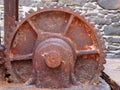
(2, 68)
(54, 47)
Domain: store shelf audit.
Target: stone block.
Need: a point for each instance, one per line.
(110, 30)
(111, 47)
(1, 2)
(28, 2)
(74, 2)
(109, 4)
(113, 39)
(100, 21)
(90, 5)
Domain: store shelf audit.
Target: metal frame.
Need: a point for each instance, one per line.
(10, 16)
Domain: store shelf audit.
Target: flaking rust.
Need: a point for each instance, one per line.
(2, 62)
(53, 47)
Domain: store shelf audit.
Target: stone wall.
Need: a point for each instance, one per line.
(107, 21)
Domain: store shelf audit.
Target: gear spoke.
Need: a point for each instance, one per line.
(86, 52)
(68, 24)
(33, 26)
(22, 57)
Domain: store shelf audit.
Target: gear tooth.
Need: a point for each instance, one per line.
(103, 42)
(82, 16)
(54, 6)
(41, 8)
(88, 20)
(61, 7)
(98, 35)
(65, 5)
(97, 30)
(103, 54)
(104, 61)
(26, 14)
(50, 6)
(104, 47)
(92, 24)
(78, 13)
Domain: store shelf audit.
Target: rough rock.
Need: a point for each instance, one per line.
(90, 5)
(49, 1)
(30, 2)
(116, 54)
(113, 39)
(1, 2)
(110, 16)
(110, 30)
(116, 24)
(109, 4)
(105, 12)
(111, 47)
(100, 21)
(74, 2)
(116, 18)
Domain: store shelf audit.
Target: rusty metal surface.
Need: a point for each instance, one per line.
(2, 68)
(62, 46)
(10, 17)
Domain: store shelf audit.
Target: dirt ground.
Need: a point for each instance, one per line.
(112, 68)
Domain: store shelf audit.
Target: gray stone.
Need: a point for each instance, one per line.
(31, 3)
(111, 47)
(25, 2)
(108, 22)
(74, 2)
(110, 16)
(116, 24)
(109, 4)
(116, 18)
(112, 39)
(1, 2)
(92, 0)
(110, 30)
(91, 14)
(113, 11)
(100, 21)
(49, 1)
(103, 12)
(116, 56)
(112, 56)
(118, 53)
(98, 26)
(101, 15)
(90, 5)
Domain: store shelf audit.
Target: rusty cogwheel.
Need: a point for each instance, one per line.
(55, 47)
